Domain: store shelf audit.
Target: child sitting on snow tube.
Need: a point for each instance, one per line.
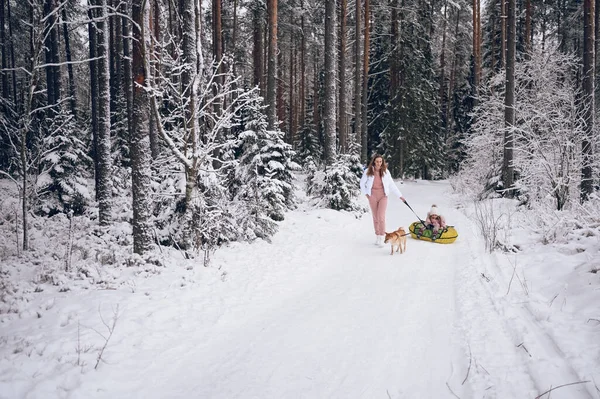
(434, 222)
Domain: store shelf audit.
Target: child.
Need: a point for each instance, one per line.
(434, 222)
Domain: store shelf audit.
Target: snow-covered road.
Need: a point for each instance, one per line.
(323, 313)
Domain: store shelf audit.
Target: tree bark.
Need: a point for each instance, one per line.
(588, 97)
(218, 50)
(272, 66)
(528, 32)
(329, 117)
(509, 100)
(302, 68)
(12, 53)
(365, 83)
(68, 56)
(127, 73)
(104, 187)
(49, 38)
(257, 50)
(358, 83)
(342, 112)
(189, 82)
(3, 43)
(503, 22)
(140, 139)
(93, 64)
(290, 135)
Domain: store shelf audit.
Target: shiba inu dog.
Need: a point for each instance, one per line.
(397, 238)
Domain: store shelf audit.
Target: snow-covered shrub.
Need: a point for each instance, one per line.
(262, 179)
(337, 186)
(62, 183)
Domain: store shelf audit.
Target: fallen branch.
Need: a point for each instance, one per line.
(560, 386)
(523, 346)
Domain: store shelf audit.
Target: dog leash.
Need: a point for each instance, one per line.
(420, 220)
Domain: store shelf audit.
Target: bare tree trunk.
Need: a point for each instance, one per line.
(509, 100)
(528, 32)
(12, 53)
(217, 50)
(302, 68)
(127, 73)
(365, 82)
(188, 81)
(503, 21)
(329, 117)
(279, 83)
(3, 43)
(588, 97)
(235, 36)
(93, 64)
(272, 65)
(49, 42)
(342, 112)
(443, 89)
(140, 139)
(257, 50)
(71, 75)
(290, 134)
(317, 100)
(358, 84)
(104, 187)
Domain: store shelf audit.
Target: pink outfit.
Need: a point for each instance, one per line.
(438, 223)
(378, 202)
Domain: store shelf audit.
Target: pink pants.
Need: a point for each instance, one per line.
(378, 202)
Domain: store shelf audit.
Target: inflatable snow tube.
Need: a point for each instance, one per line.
(448, 235)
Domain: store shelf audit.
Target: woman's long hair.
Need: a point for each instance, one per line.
(371, 167)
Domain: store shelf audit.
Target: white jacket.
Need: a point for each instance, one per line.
(366, 184)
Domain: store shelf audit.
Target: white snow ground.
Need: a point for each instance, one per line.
(321, 313)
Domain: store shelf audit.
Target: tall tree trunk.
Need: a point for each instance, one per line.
(503, 21)
(139, 137)
(588, 97)
(234, 38)
(257, 49)
(127, 73)
(93, 64)
(317, 99)
(12, 53)
(365, 82)
(303, 68)
(358, 83)
(528, 32)
(68, 56)
(290, 135)
(104, 187)
(189, 82)
(280, 83)
(49, 36)
(218, 50)
(509, 100)
(3, 43)
(443, 89)
(329, 117)
(272, 66)
(342, 102)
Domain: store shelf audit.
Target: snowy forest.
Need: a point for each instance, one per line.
(182, 123)
(181, 217)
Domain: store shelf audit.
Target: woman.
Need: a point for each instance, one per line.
(376, 183)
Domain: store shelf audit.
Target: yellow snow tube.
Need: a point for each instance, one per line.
(448, 236)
